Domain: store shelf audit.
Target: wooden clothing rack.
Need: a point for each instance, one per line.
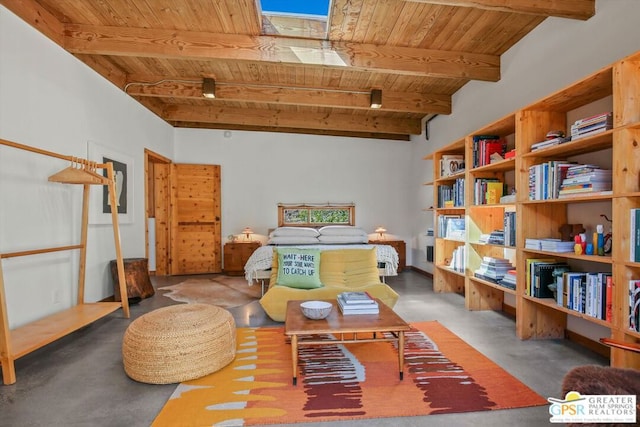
(32, 336)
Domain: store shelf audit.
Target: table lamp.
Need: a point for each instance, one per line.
(381, 231)
(247, 232)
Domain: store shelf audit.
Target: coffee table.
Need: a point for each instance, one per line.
(345, 330)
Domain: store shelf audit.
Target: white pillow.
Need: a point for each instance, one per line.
(293, 240)
(295, 231)
(341, 230)
(343, 239)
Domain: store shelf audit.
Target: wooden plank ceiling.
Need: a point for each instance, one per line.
(294, 74)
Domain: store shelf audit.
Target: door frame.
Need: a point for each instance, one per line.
(153, 179)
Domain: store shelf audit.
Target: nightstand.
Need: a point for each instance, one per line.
(400, 246)
(236, 255)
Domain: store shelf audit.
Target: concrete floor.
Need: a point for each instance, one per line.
(79, 380)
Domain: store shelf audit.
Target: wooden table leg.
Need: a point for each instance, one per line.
(401, 353)
(294, 357)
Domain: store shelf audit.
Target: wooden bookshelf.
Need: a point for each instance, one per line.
(617, 85)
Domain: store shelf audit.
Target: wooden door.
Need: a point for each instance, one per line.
(195, 219)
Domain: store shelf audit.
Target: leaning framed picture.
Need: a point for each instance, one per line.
(100, 205)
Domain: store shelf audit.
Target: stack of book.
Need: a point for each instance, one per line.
(357, 303)
(591, 125)
(548, 244)
(549, 142)
(496, 237)
(493, 269)
(508, 280)
(557, 245)
(581, 179)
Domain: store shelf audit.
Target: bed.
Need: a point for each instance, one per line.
(333, 237)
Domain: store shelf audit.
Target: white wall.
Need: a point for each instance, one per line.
(554, 55)
(260, 170)
(50, 100)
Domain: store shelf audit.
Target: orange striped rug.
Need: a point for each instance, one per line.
(443, 374)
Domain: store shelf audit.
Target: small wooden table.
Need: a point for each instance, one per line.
(298, 326)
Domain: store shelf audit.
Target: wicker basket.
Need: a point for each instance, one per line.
(178, 343)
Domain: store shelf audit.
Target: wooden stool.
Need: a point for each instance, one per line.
(136, 274)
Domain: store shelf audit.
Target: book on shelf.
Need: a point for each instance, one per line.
(542, 277)
(494, 192)
(585, 178)
(556, 245)
(509, 222)
(549, 143)
(479, 156)
(496, 237)
(634, 305)
(589, 293)
(530, 268)
(356, 298)
(589, 193)
(609, 299)
(548, 244)
(545, 179)
(481, 190)
(509, 280)
(591, 125)
(493, 269)
(458, 259)
(455, 229)
(443, 222)
(451, 194)
(634, 235)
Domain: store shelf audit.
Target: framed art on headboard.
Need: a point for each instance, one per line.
(100, 206)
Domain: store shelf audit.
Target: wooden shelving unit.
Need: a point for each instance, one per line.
(618, 87)
(32, 336)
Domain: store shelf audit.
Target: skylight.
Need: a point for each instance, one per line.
(295, 18)
(296, 7)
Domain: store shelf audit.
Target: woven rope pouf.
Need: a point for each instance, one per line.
(179, 343)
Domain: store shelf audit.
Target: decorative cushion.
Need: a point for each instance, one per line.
(299, 268)
(294, 231)
(341, 230)
(343, 239)
(293, 240)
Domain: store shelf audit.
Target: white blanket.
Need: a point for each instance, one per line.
(262, 258)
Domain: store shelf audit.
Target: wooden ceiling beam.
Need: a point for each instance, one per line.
(327, 132)
(277, 118)
(191, 45)
(572, 9)
(408, 102)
